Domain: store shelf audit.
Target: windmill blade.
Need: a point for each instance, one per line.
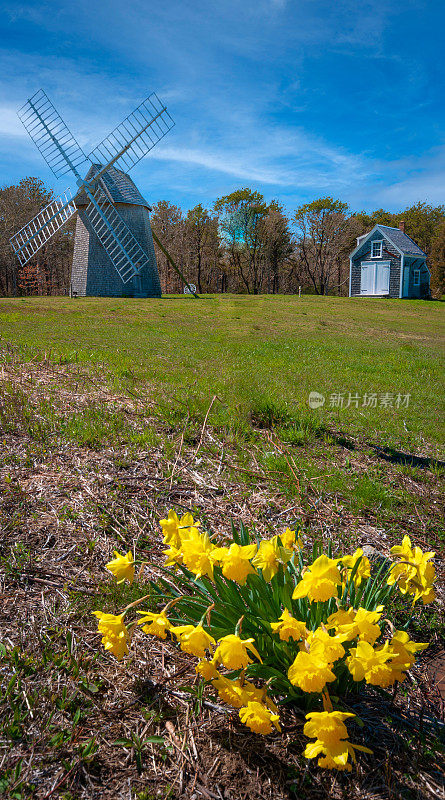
(42, 227)
(51, 136)
(122, 247)
(135, 136)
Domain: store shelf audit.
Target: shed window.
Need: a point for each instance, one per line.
(376, 249)
(417, 277)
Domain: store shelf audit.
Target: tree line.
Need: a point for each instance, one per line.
(240, 244)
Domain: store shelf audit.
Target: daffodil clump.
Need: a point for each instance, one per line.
(269, 630)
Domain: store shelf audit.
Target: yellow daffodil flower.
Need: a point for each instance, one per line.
(174, 556)
(269, 557)
(342, 621)
(404, 550)
(365, 662)
(365, 623)
(310, 672)
(232, 651)
(175, 530)
(115, 635)
(329, 648)
(329, 726)
(414, 573)
(330, 733)
(320, 581)
(193, 640)
(158, 624)
(122, 567)
(196, 551)
(252, 692)
(238, 693)
(234, 561)
(259, 718)
(231, 691)
(289, 539)
(403, 653)
(405, 646)
(363, 570)
(207, 670)
(352, 623)
(289, 628)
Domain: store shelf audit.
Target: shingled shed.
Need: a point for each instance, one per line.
(388, 263)
(93, 272)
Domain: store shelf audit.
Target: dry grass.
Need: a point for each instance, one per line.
(77, 724)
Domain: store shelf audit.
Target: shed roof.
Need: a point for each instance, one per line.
(401, 240)
(119, 184)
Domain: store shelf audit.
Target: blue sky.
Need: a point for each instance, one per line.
(296, 98)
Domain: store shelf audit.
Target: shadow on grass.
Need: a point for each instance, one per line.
(405, 751)
(399, 457)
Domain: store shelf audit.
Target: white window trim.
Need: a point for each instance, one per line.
(380, 242)
(416, 272)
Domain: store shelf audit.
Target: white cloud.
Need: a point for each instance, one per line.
(10, 124)
(421, 178)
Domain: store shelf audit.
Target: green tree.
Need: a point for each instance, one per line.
(241, 214)
(367, 220)
(438, 261)
(421, 222)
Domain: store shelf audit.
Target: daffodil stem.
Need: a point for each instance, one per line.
(172, 603)
(207, 614)
(136, 603)
(239, 626)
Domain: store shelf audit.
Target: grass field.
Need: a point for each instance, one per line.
(256, 352)
(112, 412)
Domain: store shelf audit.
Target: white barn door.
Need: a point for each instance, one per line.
(382, 278)
(374, 278)
(367, 278)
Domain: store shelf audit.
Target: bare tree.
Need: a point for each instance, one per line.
(49, 270)
(322, 235)
(203, 246)
(278, 245)
(168, 224)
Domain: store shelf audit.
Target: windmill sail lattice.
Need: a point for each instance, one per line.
(135, 136)
(27, 241)
(51, 136)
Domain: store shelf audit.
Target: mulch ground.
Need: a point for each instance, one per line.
(63, 509)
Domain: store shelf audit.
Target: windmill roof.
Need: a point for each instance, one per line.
(119, 184)
(401, 240)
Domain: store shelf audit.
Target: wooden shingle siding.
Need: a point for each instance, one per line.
(389, 253)
(423, 289)
(93, 273)
(80, 259)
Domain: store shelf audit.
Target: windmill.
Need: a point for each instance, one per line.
(113, 246)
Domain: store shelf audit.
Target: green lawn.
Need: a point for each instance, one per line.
(260, 355)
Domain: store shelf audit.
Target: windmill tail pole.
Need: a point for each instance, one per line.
(175, 267)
